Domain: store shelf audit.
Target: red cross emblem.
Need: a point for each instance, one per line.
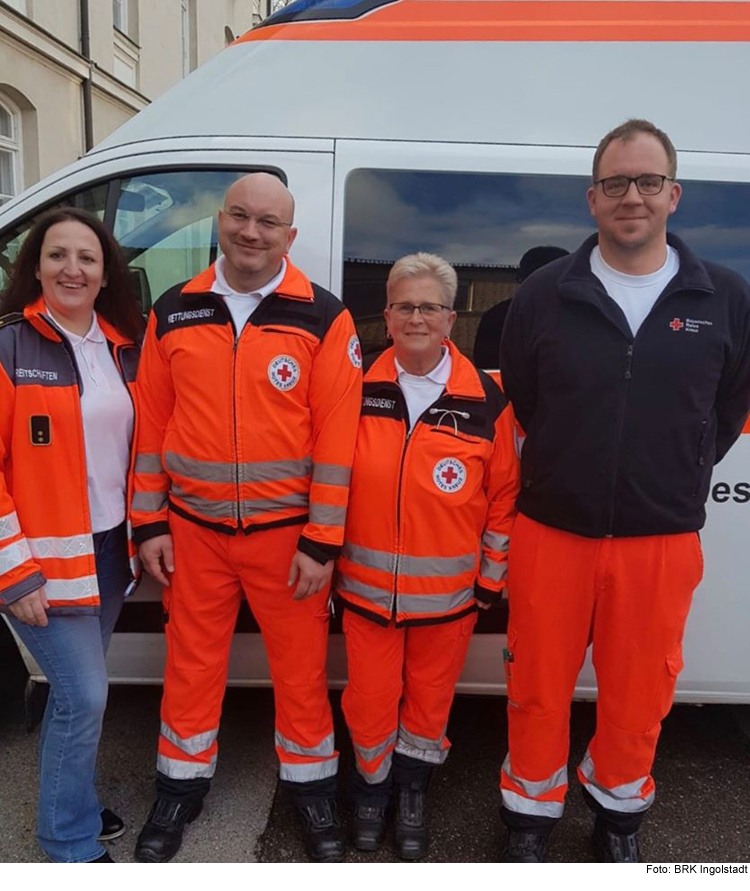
(283, 372)
(354, 351)
(676, 324)
(449, 475)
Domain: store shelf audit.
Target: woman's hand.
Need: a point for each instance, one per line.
(31, 609)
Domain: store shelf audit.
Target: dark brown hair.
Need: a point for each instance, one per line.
(116, 301)
(629, 130)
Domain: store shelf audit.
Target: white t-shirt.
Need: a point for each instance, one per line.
(243, 305)
(635, 294)
(107, 411)
(421, 390)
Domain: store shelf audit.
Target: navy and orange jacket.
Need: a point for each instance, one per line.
(252, 431)
(431, 511)
(45, 522)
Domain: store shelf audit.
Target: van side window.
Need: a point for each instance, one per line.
(165, 223)
(484, 223)
(92, 199)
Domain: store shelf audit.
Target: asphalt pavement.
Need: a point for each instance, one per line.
(702, 773)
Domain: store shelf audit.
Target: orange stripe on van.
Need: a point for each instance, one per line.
(746, 428)
(536, 20)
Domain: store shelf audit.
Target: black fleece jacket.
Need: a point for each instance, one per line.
(623, 432)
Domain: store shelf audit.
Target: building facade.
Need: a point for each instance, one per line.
(72, 71)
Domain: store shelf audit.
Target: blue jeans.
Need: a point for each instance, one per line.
(70, 652)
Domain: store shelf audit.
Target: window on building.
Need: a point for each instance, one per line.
(483, 223)
(120, 15)
(10, 150)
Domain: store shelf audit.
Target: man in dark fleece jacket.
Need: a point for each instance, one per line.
(628, 366)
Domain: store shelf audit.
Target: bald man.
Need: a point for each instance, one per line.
(250, 388)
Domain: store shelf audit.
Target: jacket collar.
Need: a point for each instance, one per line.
(295, 285)
(36, 315)
(691, 276)
(464, 381)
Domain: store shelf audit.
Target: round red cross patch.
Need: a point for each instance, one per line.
(449, 475)
(283, 372)
(354, 351)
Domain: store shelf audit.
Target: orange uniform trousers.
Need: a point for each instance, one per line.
(400, 690)
(212, 571)
(630, 597)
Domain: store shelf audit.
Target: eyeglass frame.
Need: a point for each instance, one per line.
(418, 307)
(634, 179)
(241, 218)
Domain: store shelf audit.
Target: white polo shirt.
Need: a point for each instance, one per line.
(421, 390)
(243, 305)
(107, 411)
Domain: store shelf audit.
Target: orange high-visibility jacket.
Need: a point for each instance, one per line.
(430, 513)
(251, 432)
(45, 522)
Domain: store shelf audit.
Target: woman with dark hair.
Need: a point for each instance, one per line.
(69, 338)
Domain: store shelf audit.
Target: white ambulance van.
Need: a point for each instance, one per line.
(463, 128)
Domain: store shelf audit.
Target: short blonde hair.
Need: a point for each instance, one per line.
(413, 265)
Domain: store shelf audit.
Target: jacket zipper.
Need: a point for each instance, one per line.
(235, 344)
(398, 504)
(620, 426)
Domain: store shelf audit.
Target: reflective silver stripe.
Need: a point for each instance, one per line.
(429, 755)
(377, 776)
(62, 546)
(407, 564)
(9, 525)
(331, 474)
(222, 510)
(306, 773)
(72, 589)
(324, 749)
(624, 798)
(369, 557)
(271, 505)
(327, 514)
(520, 805)
(14, 555)
(535, 788)
(135, 565)
(149, 501)
(419, 742)
(441, 566)
(496, 541)
(378, 596)
(185, 770)
(420, 747)
(492, 569)
(145, 463)
(226, 471)
(375, 751)
(190, 745)
(434, 603)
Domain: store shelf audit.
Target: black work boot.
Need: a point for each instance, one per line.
(614, 847)
(524, 847)
(368, 826)
(161, 837)
(369, 807)
(411, 826)
(321, 827)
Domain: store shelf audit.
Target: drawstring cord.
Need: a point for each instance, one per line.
(452, 412)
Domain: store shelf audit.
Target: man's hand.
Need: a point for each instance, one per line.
(31, 609)
(309, 575)
(157, 556)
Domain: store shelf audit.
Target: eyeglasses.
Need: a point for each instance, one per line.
(428, 310)
(646, 183)
(269, 224)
